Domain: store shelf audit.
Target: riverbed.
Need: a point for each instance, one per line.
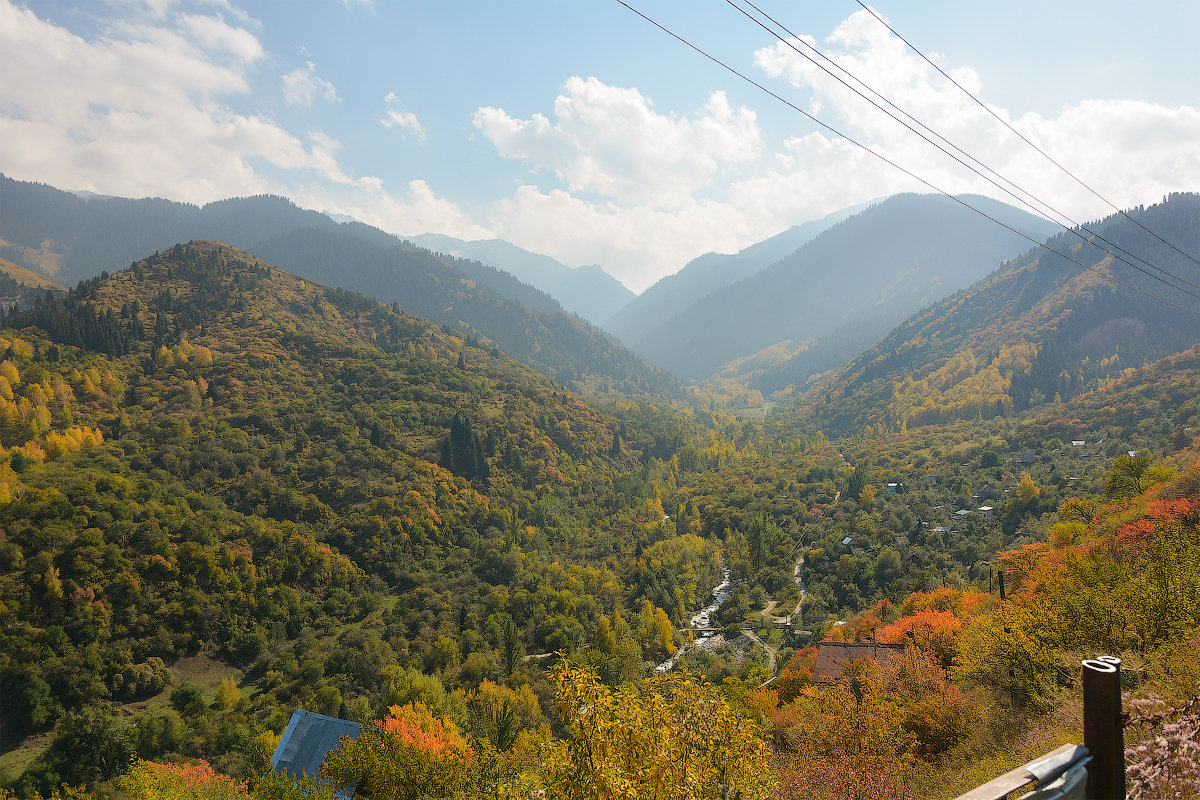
(702, 619)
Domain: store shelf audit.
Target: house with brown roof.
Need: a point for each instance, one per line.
(832, 657)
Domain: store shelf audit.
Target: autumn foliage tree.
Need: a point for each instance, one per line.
(407, 755)
(150, 781)
(935, 632)
(844, 742)
(668, 737)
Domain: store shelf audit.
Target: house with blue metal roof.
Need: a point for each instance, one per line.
(307, 740)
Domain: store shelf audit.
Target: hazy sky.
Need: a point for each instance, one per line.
(576, 129)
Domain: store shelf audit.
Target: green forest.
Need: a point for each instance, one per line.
(227, 492)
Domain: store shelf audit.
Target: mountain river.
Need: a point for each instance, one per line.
(702, 619)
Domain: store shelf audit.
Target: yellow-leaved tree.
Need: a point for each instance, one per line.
(668, 737)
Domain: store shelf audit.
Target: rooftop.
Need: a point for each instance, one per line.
(832, 657)
(305, 742)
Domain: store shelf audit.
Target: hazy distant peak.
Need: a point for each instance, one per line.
(589, 291)
(342, 218)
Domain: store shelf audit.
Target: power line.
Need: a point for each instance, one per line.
(1022, 136)
(1110, 278)
(1038, 205)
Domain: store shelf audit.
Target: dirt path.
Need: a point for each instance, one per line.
(799, 582)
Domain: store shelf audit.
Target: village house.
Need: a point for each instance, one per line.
(306, 741)
(832, 658)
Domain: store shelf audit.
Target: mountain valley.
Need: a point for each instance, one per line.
(230, 490)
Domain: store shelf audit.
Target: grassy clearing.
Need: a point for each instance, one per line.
(15, 761)
(203, 671)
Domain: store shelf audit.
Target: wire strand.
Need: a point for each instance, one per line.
(1110, 278)
(1022, 136)
(1037, 205)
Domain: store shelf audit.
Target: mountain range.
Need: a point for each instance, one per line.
(228, 490)
(1049, 325)
(864, 274)
(773, 316)
(639, 318)
(70, 238)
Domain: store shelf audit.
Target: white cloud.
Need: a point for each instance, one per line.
(132, 112)
(865, 49)
(414, 211)
(215, 34)
(634, 243)
(155, 9)
(1130, 151)
(397, 117)
(139, 110)
(301, 87)
(233, 11)
(643, 192)
(608, 141)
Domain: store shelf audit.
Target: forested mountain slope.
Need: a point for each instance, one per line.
(1039, 328)
(69, 238)
(206, 455)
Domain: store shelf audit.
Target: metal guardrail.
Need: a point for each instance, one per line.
(1095, 771)
(1041, 772)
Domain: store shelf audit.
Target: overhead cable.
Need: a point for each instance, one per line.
(1023, 138)
(1037, 205)
(1109, 278)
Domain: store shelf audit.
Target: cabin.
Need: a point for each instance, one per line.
(832, 657)
(306, 741)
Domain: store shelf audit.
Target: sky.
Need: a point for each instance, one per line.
(577, 129)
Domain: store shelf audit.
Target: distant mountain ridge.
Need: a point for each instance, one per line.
(588, 291)
(868, 271)
(642, 315)
(1038, 328)
(70, 238)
